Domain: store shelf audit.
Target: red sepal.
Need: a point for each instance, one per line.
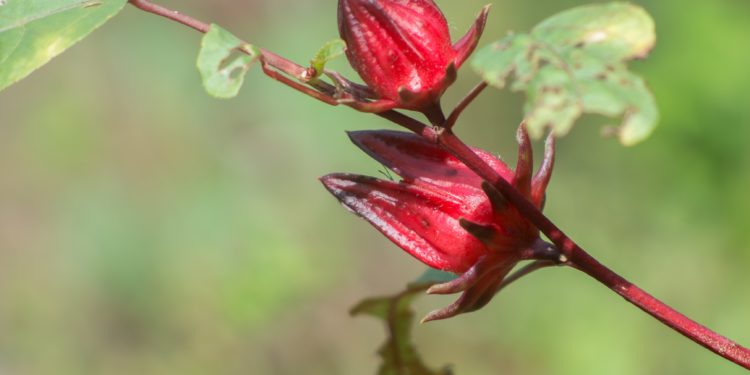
(422, 221)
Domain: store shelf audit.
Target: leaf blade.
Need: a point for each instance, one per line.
(33, 32)
(623, 31)
(575, 63)
(329, 51)
(399, 354)
(223, 61)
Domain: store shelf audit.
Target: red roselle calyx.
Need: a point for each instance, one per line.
(445, 215)
(402, 49)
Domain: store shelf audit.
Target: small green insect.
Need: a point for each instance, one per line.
(385, 171)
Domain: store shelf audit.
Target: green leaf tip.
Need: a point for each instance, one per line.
(223, 61)
(33, 32)
(574, 63)
(432, 276)
(329, 51)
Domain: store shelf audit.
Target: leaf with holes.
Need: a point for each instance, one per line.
(223, 62)
(575, 63)
(32, 32)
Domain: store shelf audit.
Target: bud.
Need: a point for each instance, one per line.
(402, 48)
(445, 215)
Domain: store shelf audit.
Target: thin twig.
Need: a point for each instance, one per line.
(453, 117)
(525, 270)
(410, 123)
(174, 15)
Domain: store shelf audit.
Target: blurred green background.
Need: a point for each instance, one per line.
(146, 228)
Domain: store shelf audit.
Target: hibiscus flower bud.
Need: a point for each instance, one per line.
(402, 48)
(445, 215)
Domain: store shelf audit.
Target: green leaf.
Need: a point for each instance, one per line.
(223, 62)
(32, 32)
(575, 63)
(613, 32)
(433, 276)
(328, 52)
(399, 355)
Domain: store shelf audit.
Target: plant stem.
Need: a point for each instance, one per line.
(526, 270)
(453, 117)
(174, 15)
(577, 257)
(581, 260)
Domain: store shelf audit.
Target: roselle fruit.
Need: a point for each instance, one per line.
(445, 215)
(402, 49)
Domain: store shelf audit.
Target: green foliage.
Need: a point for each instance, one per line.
(223, 62)
(399, 354)
(575, 63)
(433, 276)
(83, 217)
(32, 32)
(329, 51)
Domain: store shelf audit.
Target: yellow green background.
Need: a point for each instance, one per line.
(146, 228)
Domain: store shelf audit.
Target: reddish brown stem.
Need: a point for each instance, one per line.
(577, 257)
(526, 270)
(581, 260)
(453, 117)
(174, 15)
(410, 123)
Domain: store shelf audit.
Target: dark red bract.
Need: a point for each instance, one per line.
(442, 213)
(402, 48)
